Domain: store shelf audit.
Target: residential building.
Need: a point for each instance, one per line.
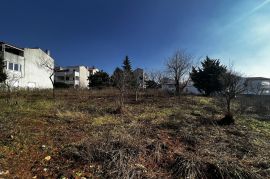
(169, 85)
(140, 77)
(27, 67)
(74, 76)
(92, 70)
(191, 89)
(257, 85)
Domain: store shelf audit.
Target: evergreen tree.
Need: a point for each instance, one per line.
(99, 80)
(3, 75)
(117, 77)
(151, 84)
(124, 79)
(127, 65)
(208, 78)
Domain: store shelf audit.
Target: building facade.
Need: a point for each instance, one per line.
(27, 67)
(140, 77)
(73, 76)
(257, 85)
(169, 86)
(92, 70)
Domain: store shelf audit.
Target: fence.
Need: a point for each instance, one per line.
(259, 104)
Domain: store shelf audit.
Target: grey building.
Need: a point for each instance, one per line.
(140, 77)
(27, 67)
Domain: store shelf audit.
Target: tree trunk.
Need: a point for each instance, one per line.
(177, 87)
(228, 105)
(122, 99)
(52, 81)
(53, 93)
(9, 94)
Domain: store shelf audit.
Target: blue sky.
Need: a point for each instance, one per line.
(102, 32)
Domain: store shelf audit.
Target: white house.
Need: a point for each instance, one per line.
(74, 76)
(169, 85)
(27, 67)
(257, 85)
(191, 89)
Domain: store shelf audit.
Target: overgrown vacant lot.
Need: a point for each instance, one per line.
(82, 134)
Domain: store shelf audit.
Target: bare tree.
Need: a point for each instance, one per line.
(156, 75)
(178, 66)
(119, 79)
(12, 82)
(49, 65)
(233, 85)
(255, 87)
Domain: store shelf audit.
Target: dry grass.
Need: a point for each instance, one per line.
(157, 137)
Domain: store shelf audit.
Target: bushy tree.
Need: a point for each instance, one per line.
(3, 75)
(151, 84)
(99, 80)
(207, 78)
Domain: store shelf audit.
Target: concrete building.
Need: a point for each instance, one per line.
(141, 77)
(92, 70)
(27, 67)
(257, 85)
(169, 86)
(74, 76)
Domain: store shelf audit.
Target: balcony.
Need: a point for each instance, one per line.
(67, 73)
(68, 82)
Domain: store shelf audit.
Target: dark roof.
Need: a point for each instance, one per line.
(257, 78)
(10, 45)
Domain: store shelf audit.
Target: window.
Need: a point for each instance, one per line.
(10, 66)
(77, 78)
(265, 83)
(5, 64)
(16, 67)
(67, 78)
(61, 78)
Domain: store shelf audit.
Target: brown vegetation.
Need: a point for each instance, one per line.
(83, 134)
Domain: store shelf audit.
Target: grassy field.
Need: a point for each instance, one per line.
(81, 134)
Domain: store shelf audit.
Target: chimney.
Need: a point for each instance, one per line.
(48, 52)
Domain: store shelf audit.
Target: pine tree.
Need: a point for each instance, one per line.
(207, 78)
(127, 65)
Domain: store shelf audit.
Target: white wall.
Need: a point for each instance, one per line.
(36, 71)
(84, 74)
(14, 78)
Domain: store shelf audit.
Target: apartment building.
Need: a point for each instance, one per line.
(73, 76)
(27, 67)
